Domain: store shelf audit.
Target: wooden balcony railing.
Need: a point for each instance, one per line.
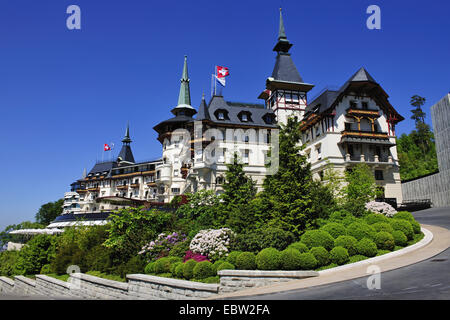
(122, 187)
(367, 134)
(363, 112)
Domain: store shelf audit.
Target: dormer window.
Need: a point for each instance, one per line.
(221, 114)
(365, 105)
(353, 104)
(269, 118)
(245, 116)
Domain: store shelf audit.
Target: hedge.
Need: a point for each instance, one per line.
(361, 230)
(246, 261)
(403, 226)
(347, 242)
(334, 229)
(203, 269)
(188, 269)
(384, 241)
(268, 259)
(322, 255)
(399, 238)
(383, 226)
(317, 238)
(339, 255)
(307, 261)
(367, 247)
(301, 247)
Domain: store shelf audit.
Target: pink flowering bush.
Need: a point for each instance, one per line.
(381, 207)
(161, 246)
(213, 243)
(196, 256)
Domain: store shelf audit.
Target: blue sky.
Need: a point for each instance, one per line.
(64, 93)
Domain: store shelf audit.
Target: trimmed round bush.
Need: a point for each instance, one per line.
(268, 259)
(162, 265)
(246, 261)
(383, 226)
(331, 265)
(347, 242)
(174, 259)
(416, 227)
(188, 269)
(290, 259)
(45, 269)
(322, 256)
(334, 229)
(317, 238)
(301, 247)
(179, 271)
(399, 238)
(381, 252)
(217, 264)
(203, 269)
(405, 215)
(356, 258)
(225, 266)
(307, 261)
(403, 226)
(173, 266)
(339, 255)
(366, 247)
(384, 241)
(232, 256)
(360, 230)
(373, 218)
(150, 268)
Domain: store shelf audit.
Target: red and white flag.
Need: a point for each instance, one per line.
(221, 73)
(106, 147)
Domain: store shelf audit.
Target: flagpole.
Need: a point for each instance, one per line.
(215, 79)
(212, 85)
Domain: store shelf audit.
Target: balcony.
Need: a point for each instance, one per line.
(134, 185)
(371, 160)
(366, 137)
(122, 187)
(81, 190)
(363, 113)
(164, 173)
(94, 189)
(361, 133)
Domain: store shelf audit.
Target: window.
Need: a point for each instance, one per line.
(244, 117)
(175, 172)
(365, 105)
(379, 175)
(175, 190)
(220, 116)
(348, 126)
(353, 104)
(246, 155)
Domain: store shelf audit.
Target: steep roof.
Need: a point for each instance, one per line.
(285, 69)
(203, 113)
(126, 154)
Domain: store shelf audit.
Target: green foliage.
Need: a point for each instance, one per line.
(301, 247)
(307, 261)
(45, 269)
(131, 228)
(334, 229)
(106, 276)
(8, 261)
(203, 269)
(373, 218)
(382, 226)
(179, 250)
(339, 255)
(188, 269)
(403, 226)
(343, 216)
(322, 255)
(384, 241)
(179, 269)
(360, 189)
(35, 254)
(225, 266)
(416, 227)
(216, 264)
(405, 215)
(331, 265)
(381, 252)
(357, 258)
(232, 256)
(5, 236)
(347, 242)
(264, 237)
(135, 265)
(366, 247)
(246, 261)
(400, 238)
(290, 259)
(162, 265)
(268, 259)
(361, 230)
(150, 267)
(49, 211)
(317, 238)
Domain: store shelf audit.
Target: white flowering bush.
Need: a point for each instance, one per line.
(381, 207)
(213, 243)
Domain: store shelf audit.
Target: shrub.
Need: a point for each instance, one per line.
(8, 260)
(225, 266)
(405, 215)
(382, 226)
(214, 279)
(268, 259)
(134, 265)
(162, 265)
(366, 247)
(360, 230)
(203, 270)
(179, 271)
(344, 217)
(381, 208)
(381, 252)
(307, 261)
(373, 218)
(188, 268)
(384, 241)
(403, 226)
(399, 238)
(246, 261)
(416, 227)
(347, 242)
(339, 255)
(217, 264)
(265, 237)
(331, 265)
(162, 245)
(35, 254)
(179, 249)
(317, 238)
(213, 243)
(290, 259)
(45, 269)
(356, 258)
(174, 266)
(150, 267)
(322, 256)
(334, 229)
(232, 256)
(301, 247)
(195, 256)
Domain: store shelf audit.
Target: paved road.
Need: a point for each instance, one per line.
(429, 279)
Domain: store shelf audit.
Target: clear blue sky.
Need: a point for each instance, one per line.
(63, 93)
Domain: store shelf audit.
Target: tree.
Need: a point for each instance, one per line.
(49, 211)
(287, 198)
(418, 114)
(5, 236)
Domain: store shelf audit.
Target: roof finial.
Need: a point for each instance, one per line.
(281, 31)
(283, 44)
(127, 139)
(185, 96)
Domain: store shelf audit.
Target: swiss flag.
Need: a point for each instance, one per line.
(106, 147)
(222, 72)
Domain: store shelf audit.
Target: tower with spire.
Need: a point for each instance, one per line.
(286, 93)
(126, 155)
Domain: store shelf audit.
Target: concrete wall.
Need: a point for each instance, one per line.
(437, 186)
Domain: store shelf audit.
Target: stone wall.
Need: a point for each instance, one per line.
(6, 285)
(90, 287)
(234, 280)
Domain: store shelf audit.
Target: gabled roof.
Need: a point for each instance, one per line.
(101, 167)
(126, 154)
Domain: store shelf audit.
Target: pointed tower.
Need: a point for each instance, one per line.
(126, 155)
(286, 93)
(184, 107)
(203, 113)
